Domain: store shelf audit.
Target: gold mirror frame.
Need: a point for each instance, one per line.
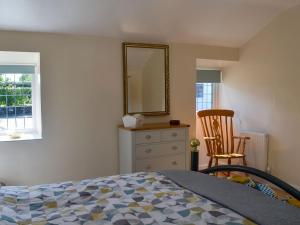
(125, 77)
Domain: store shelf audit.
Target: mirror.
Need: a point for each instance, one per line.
(146, 79)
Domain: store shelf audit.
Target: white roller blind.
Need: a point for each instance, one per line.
(17, 69)
(208, 76)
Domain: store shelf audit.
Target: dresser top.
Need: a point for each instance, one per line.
(154, 126)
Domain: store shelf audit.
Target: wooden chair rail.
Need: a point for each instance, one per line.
(216, 112)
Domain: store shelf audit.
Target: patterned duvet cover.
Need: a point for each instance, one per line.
(133, 199)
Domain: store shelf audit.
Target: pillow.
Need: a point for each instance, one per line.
(294, 202)
(264, 188)
(239, 179)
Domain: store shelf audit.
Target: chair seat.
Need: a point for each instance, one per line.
(227, 156)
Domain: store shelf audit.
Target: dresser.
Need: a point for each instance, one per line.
(153, 147)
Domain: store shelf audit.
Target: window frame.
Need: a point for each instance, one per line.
(36, 131)
(215, 96)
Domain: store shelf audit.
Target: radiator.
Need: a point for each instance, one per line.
(257, 150)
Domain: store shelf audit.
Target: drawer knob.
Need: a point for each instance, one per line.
(174, 163)
(149, 150)
(174, 134)
(148, 137)
(174, 147)
(148, 167)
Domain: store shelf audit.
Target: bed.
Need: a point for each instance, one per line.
(165, 197)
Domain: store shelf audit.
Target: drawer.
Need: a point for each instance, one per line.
(175, 162)
(147, 137)
(155, 150)
(173, 135)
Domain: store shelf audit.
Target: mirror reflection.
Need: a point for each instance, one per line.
(146, 80)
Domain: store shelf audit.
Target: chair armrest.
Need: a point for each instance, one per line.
(241, 143)
(241, 137)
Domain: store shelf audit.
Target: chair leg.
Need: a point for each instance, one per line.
(245, 164)
(216, 163)
(229, 163)
(244, 161)
(210, 162)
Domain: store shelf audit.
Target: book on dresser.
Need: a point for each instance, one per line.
(153, 147)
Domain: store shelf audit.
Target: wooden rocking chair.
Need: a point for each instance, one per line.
(217, 129)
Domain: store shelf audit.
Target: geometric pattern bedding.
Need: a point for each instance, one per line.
(132, 199)
(270, 190)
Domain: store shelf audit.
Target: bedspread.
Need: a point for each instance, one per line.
(133, 199)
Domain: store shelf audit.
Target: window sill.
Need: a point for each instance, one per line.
(22, 137)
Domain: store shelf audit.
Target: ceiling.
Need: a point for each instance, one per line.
(212, 22)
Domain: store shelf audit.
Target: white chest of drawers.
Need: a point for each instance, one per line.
(153, 147)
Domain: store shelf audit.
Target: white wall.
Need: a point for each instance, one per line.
(263, 89)
(82, 104)
(81, 77)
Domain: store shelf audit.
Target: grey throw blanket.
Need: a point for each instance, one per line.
(244, 200)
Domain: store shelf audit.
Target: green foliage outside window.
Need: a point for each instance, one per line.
(15, 90)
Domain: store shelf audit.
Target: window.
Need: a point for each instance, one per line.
(205, 96)
(16, 101)
(207, 81)
(20, 112)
